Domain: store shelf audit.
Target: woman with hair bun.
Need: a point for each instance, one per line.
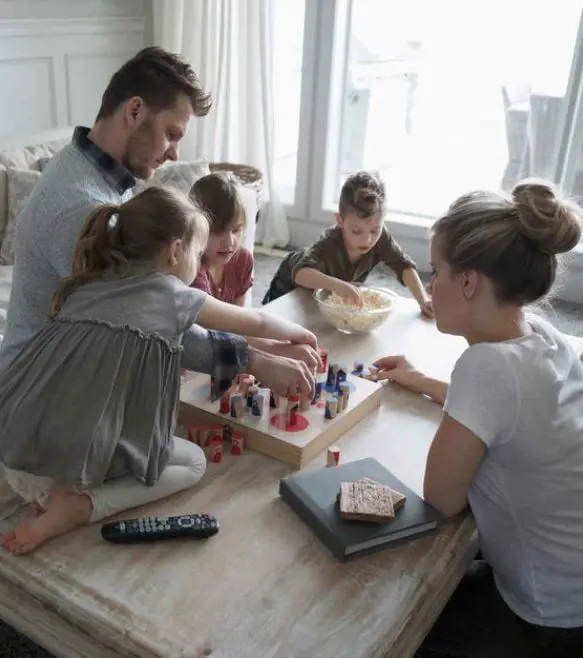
(510, 442)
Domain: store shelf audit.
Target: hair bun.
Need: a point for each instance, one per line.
(552, 223)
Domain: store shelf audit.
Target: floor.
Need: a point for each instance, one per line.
(567, 317)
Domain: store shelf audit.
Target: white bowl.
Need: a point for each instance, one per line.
(353, 319)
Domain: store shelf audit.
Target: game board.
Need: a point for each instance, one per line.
(270, 433)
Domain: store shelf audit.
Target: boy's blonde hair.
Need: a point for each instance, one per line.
(363, 193)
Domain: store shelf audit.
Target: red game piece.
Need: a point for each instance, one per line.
(237, 442)
(225, 404)
(292, 412)
(216, 450)
(325, 358)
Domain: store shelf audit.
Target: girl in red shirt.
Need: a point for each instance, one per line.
(226, 270)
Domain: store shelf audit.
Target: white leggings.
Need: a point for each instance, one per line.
(185, 467)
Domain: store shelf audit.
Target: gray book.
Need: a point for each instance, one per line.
(314, 496)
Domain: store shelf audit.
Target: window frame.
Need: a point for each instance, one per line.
(324, 76)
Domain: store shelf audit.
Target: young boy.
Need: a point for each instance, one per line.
(347, 252)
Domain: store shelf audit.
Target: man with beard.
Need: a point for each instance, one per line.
(145, 112)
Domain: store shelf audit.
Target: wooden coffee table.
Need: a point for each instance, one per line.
(264, 586)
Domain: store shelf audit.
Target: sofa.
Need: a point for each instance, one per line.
(21, 164)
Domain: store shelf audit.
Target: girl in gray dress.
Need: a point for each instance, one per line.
(88, 408)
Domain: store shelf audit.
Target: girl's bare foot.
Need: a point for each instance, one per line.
(65, 510)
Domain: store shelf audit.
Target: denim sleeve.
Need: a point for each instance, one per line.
(216, 353)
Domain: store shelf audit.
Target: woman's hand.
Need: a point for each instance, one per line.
(427, 308)
(399, 370)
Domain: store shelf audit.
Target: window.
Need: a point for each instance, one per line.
(446, 96)
(440, 96)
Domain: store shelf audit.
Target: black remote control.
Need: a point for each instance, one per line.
(156, 528)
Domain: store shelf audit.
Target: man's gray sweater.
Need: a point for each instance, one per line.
(46, 236)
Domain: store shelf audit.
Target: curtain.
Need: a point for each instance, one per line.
(229, 45)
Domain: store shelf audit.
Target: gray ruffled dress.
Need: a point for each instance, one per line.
(95, 395)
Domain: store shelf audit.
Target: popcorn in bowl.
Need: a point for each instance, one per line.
(349, 318)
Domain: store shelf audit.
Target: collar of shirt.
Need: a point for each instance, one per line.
(116, 175)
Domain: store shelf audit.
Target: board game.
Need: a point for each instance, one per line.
(292, 430)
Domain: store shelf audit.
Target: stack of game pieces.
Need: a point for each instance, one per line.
(212, 440)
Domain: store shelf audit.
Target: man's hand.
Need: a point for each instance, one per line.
(282, 375)
(305, 353)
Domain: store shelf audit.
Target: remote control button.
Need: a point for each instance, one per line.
(186, 522)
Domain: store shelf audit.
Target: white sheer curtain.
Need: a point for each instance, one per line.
(229, 45)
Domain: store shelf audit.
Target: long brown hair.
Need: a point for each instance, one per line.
(513, 239)
(137, 230)
(219, 196)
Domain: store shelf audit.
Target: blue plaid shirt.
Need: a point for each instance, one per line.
(231, 357)
(116, 175)
(228, 354)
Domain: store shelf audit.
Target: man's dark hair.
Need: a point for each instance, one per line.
(159, 78)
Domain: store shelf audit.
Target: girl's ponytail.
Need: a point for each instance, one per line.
(138, 230)
(97, 251)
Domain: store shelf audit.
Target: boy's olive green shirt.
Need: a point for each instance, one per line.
(329, 256)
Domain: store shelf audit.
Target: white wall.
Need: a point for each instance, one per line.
(56, 57)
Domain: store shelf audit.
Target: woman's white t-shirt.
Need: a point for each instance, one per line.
(524, 399)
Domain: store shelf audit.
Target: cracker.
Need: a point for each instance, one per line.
(366, 501)
(397, 497)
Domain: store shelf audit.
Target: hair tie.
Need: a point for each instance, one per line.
(113, 221)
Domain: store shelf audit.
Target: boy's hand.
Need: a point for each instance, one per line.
(349, 293)
(427, 308)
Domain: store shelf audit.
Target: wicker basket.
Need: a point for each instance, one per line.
(247, 175)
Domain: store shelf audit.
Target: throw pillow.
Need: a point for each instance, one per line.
(41, 163)
(20, 185)
(27, 157)
(180, 175)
